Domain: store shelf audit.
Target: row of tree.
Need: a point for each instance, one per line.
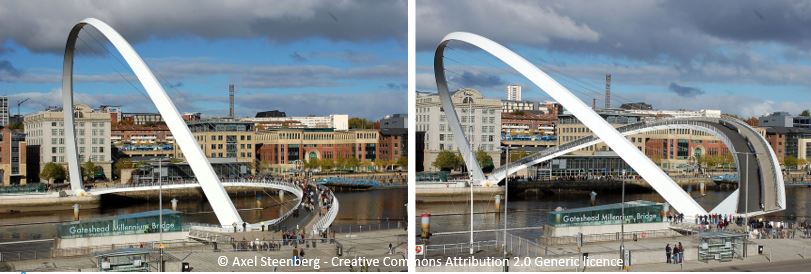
(54, 172)
(354, 163)
(448, 160)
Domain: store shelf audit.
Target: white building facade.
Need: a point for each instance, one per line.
(484, 122)
(335, 121)
(47, 130)
(514, 92)
(4, 111)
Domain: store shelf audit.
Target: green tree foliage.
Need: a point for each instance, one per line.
(326, 164)
(402, 162)
(17, 126)
(360, 123)
(485, 161)
(88, 171)
(352, 163)
(447, 161)
(791, 161)
(517, 155)
(122, 163)
(805, 113)
(312, 163)
(53, 171)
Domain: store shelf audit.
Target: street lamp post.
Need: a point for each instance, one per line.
(472, 158)
(506, 191)
(160, 212)
(622, 226)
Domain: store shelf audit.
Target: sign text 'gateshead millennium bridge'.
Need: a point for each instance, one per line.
(136, 223)
(636, 212)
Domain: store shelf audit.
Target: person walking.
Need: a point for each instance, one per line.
(681, 253)
(668, 252)
(295, 254)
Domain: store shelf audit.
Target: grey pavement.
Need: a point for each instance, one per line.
(369, 245)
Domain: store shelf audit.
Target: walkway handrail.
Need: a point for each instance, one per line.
(275, 184)
(324, 223)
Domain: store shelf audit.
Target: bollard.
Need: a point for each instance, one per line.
(75, 212)
(425, 225)
(174, 204)
(498, 203)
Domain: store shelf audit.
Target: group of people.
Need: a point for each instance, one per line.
(675, 218)
(255, 245)
(763, 229)
(607, 178)
(326, 201)
(674, 254)
(294, 238)
(717, 221)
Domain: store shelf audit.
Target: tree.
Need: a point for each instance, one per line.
(402, 162)
(656, 158)
(326, 164)
(365, 164)
(360, 123)
(53, 171)
(352, 163)
(312, 163)
(753, 121)
(88, 171)
(517, 155)
(17, 126)
(805, 113)
(447, 161)
(122, 163)
(791, 161)
(485, 161)
(380, 164)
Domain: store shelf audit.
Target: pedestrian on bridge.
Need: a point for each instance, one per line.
(668, 252)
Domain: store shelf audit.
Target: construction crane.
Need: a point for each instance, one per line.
(20, 102)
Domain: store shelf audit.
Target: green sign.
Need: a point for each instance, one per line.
(137, 223)
(636, 212)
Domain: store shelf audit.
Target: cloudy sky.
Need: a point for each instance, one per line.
(743, 57)
(298, 56)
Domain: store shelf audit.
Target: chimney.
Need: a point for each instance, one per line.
(231, 97)
(594, 103)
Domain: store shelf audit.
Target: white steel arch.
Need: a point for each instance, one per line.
(209, 182)
(657, 178)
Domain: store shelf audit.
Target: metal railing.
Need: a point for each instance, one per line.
(323, 224)
(349, 229)
(520, 247)
(22, 255)
(461, 248)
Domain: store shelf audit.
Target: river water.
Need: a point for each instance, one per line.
(361, 207)
(530, 211)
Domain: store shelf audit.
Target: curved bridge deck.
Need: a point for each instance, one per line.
(760, 188)
(277, 185)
